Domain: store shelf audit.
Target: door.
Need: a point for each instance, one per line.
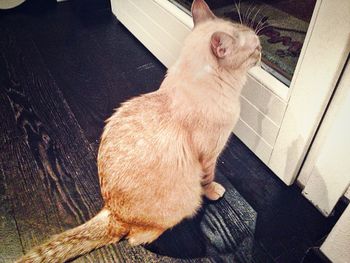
(326, 172)
(281, 105)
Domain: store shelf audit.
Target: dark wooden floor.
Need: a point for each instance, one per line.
(61, 75)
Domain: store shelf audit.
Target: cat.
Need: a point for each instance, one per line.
(158, 151)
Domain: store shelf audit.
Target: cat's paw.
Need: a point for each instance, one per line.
(214, 191)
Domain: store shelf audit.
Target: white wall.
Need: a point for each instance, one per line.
(337, 245)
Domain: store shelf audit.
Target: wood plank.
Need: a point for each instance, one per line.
(33, 162)
(51, 159)
(94, 83)
(230, 225)
(10, 243)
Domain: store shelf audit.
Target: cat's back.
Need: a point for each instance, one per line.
(143, 131)
(143, 116)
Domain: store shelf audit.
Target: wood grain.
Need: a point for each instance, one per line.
(61, 75)
(49, 170)
(109, 68)
(10, 243)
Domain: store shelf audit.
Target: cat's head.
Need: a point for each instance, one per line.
(232, 45)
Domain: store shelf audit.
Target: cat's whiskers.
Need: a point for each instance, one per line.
(253, 20)
(248, 18)
(258, 24)
(246, 14)
(261, 25)
(264, 26)
(238, 8)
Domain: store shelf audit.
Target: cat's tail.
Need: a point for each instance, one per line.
(97, 232)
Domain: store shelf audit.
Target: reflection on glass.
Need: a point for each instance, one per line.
(282, 26)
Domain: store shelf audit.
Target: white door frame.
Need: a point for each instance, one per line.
(326, 172)
(277, 123)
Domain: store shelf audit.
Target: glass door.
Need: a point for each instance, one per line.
(304, 50)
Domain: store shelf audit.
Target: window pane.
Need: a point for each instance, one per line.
(282, 26)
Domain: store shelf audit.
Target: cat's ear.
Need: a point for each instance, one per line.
(201, 12)
(222, 44)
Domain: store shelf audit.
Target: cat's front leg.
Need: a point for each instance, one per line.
(212, 190)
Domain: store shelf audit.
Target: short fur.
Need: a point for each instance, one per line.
(158, 151)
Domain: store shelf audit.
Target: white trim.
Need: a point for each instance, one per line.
(177, 12)
(305, 46)
(347, 194)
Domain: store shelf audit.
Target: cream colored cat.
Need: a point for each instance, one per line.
(158, 151)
